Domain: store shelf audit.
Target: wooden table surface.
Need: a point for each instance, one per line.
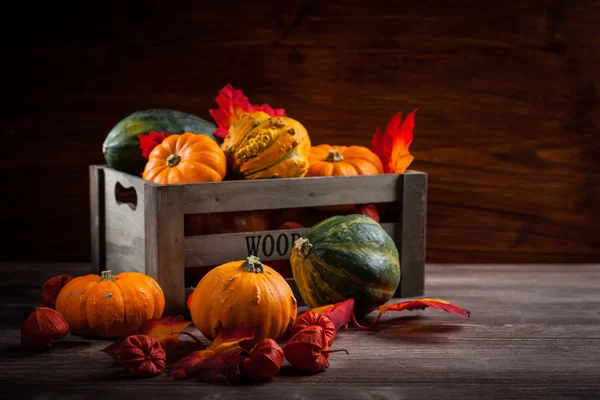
(534, 332)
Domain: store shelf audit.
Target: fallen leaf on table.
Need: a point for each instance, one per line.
(418, 304)
(338, 313)
(222, 356)
(166, 330)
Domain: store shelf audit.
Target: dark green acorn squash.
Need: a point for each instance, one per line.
(345, 257)
(121, 147)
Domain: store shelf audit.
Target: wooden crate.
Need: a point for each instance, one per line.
(149, 236)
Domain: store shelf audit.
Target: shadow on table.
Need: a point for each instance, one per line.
(16, 351)
(414, 328)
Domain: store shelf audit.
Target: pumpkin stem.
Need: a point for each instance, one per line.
(107, 276)
(253, 264)
(334, 156)
(173, 160)
(303, 246)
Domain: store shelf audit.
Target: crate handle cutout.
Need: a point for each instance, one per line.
(125, 195)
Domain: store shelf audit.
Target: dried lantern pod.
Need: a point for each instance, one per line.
(42, 327)
(307, 349)
(313, 318)
(52, 287)
(264, 360)
(142, 356)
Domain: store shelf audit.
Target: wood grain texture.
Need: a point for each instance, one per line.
(507, 96)
(291, 192)
(124, 224)
(533, 333)
(164, 250)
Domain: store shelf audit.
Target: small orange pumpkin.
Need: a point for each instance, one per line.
(186, 158)
(327, 160)
(109, 306)
(247, 292)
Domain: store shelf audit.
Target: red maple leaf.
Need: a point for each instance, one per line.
(232, 105)
(392, 146)
(222, 356)
(166, 330)
(150, 141)
(418, 304)
(338, 313)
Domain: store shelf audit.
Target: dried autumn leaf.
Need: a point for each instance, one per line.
(232, 105)
(392, 146)
(150, 141)
(273, 112)
(222, 356)
(338, 313)
(166, 330)
(418, 304)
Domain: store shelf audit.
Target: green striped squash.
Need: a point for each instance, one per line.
(343, 257)
(121, 147)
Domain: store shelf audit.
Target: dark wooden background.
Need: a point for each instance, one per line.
(507, 93)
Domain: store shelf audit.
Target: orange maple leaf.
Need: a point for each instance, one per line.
(392, 146)
(166, 330)
(418, 304)
(338, 313)
(223, 355)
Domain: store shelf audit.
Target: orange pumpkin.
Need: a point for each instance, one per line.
(326, 160)
(109, 306)
(247, 292)
(226, 222)
(259, 146)
(186, 158)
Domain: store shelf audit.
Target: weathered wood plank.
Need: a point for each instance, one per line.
(267, 245)
(124, 228)
(97, 223)
(411, 235)
(164, 251)
(289, 192)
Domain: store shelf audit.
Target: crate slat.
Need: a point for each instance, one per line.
(267, 245)
(290, 192)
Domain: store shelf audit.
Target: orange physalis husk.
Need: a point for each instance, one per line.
(150, 141)
(312, 318)
(232, 105)
(307, 350)
(42, 327)
(263, 361)
(418, 304)
(222, 356)
(142, 356)
(366, 209)
(166, 330)
(392, 145)
(338, 313)
(52, 287)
